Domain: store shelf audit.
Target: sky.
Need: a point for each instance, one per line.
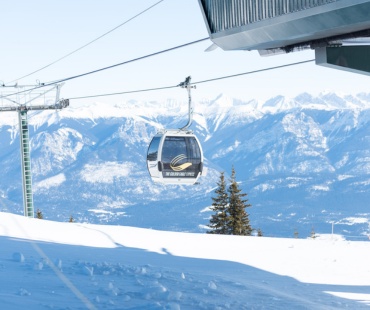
(37, 33)
(55, 265)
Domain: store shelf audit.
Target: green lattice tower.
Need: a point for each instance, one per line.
(26, 164)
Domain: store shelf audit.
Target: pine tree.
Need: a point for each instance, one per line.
(219, 220)
(39, 214)
(238, 223)
(313, 234)
(296, 234)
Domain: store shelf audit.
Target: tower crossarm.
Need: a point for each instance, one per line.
(62, 103)
(22, 109)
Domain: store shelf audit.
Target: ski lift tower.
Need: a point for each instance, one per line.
(22, 102)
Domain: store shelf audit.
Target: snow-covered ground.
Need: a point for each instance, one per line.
(54, 265)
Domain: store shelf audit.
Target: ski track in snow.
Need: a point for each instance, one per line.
(50, 265)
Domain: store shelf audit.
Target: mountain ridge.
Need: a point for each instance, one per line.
(294, 160)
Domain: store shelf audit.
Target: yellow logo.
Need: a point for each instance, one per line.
(180, 167)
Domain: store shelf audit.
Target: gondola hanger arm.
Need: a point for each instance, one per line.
(186, 84)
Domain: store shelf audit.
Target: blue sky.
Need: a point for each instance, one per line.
(36, 33)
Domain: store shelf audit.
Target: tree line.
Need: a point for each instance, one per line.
(229, 204)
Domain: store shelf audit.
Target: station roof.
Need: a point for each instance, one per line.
(284, 24)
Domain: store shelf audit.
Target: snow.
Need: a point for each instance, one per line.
(54, 265)
(50, 182)
(324, 188)
(223, 153)
(354, 220)
(105, 172)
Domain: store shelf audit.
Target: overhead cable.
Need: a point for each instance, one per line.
(87, 44)
(125, 92)
(199, 82)
(129, 61)
(106, 68)
(255, 71)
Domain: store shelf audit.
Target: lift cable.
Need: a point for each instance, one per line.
(126, 92)
(256, 71)
(87, 44)
(106, 68)
(199, 82)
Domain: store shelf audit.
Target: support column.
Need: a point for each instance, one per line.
(26, 164)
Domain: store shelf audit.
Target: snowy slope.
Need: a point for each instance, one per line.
(54, 265)
(304, 162)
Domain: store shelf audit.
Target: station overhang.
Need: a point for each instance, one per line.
(269, 24)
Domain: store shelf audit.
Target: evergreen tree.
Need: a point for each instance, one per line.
(296, 234)
(39, 214)
(238, 221)
(219, 220)
(313, 234)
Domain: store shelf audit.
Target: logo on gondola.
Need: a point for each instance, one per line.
(179, 167)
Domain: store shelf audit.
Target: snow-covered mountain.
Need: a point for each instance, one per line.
(304, 162)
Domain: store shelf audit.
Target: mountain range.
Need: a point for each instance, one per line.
(304, 163)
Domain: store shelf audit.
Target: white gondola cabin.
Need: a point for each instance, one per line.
(175, 157)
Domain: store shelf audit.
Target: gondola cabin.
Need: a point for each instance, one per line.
(175, 157)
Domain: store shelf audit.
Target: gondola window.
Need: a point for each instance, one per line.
(153, 149)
